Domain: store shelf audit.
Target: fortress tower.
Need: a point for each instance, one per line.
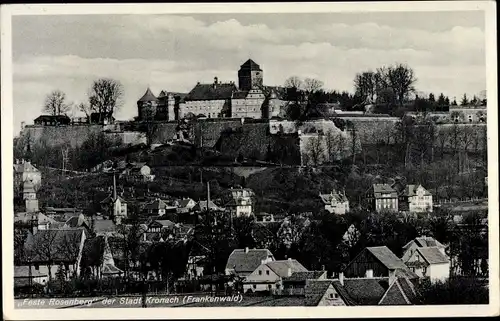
(250, 76)
(147, 105)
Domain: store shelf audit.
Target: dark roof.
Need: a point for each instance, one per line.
(241, 261)
(386, 257)
(157, 204)
(42, 219)
(165, 223)
(58, 245)
(184, 202)
(281, 267)
(111, 199)
(240, 94)
(433, 255)
(303, 276)
(315, 290)
(379, 189)
(211, 92)
(95, 117)
(77, 221)
(202, 206)
(427, 241)
(401, 292)
(335, 196)
(60, 118)
(148, 96)
(411, 190)
(362, 291)
(250, 65)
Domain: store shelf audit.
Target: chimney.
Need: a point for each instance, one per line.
(289, 271)
(341, 278)
(392, 276)
(114, 186)
(246, 249)
(369, 273)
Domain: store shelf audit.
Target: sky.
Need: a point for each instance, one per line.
(173, 52)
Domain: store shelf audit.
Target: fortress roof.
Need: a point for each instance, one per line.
(251, 65)
(148, 96)
(212, 92)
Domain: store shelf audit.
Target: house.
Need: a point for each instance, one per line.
(137, 172)
(375, 291)
(24, 171)
(52, 120)
(268, 276)
(382, 197)
(158, 226)
(335, 202)
(429, 262)
(240, 201)
(203, 207)
(79, 221)
(62, 214)
(38, 221)
(102, 118)
(378, 261)
(421, 241)
(185, 205)
(29, 196)
(26, 276)
(115, 206)
(157, 208)
(47, 250)
(242, 262)
(415, 198)
(296, 283)
(97, 256)
(321, 292)
(196, 261)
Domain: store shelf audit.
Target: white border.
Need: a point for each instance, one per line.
(489, 7)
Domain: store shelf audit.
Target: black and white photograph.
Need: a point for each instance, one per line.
(249, 156)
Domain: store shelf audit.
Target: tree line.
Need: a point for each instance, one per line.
(105, 96)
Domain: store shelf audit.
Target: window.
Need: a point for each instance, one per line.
(269, 286)
(254, 286)
(260, 272)
(331, 296)
(267, 272)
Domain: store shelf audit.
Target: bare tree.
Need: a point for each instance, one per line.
(312, 85)
(105, 96)
(294, 82)
(86, 109)
(365, 84)
(400, 78)
(331, 140)
(55, 103)
(315, 150)
(45, 249)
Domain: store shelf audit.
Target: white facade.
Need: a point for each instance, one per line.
(421, 202)
(262, 279)
(209, 108)
(339, 208)
(251, 106)
(434, 271)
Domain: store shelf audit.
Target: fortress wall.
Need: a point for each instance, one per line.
(73, 135)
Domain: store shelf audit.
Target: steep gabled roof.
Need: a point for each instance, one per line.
(411, 190)
(395, 295)
(432, 255)
(315, 290)
(185, 202)
(303, 276)
(157, 204)
(362, 291)
(335, 196)
(250, 65)
(241, 261)
(386, 257)
(281, 267)
(211, 92)
(148, 96)
(25, 167)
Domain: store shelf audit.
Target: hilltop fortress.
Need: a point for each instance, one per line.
(218, 110)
